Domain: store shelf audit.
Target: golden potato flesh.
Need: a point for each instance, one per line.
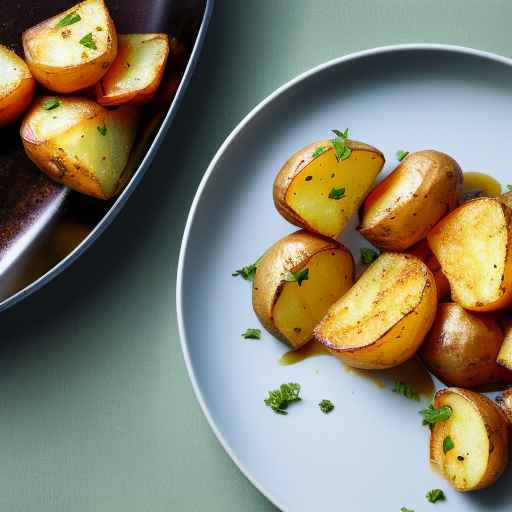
(473, 245)
(73, 49)
(79, 143)
(288, 308)
(403, 208)
(462, 346)
(137, 71)
(320, 193)
(382, 320)
(16, 86)
(478, 430)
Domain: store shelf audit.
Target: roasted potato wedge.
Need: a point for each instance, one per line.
(402, 208)
(473, 246)
(422, 251)
(478, 430)
(79, 143)
(382, 320)
(137, 71)
(462, 346)
(316, 191)
(290, 308)
(73, 49)
(505, 354)
(16, 86)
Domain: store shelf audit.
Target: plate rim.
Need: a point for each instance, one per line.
(184, 343)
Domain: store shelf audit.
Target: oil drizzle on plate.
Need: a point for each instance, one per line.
(412, 372)
(478, 181)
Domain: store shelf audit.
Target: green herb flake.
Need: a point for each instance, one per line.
(299, 276)
(51, 103)
(401, 154)
(280, 399)
(448, 444)
(472, 194)
(404, 509)
(337, 193)
(509, 188)
(432, 415)
(88, 41)
(339, 143)
(318, 151)
(252, 334)
(405, 390)
(326, 406)
(69, 19)
(249, 271)
(368, 255)
(435, 495)
(102, 129)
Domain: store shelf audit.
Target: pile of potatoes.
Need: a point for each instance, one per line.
(439, 287)
(81, 141)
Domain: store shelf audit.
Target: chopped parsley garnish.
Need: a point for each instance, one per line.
(51, 103)
(249, 271)
(102, 129)
(88, 41)
(432, 415)
(69, 19)
(509, 188)
(337, 193)
(448, 444)
(280, 399)
(435, 495)
(299, 276)
(401, 154)
(368, 255)
(472, 194)
(403, 509)
(318, 151)
(405, 390)
(252, 334)
(339, 143)
(326, 406)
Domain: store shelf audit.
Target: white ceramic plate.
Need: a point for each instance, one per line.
(370, 453)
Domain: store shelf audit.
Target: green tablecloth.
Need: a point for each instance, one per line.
(97, 413)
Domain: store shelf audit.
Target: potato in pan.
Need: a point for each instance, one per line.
(382, 320)
(16, 86)
(79, 143)
(322, 184)
(471, 447)
(72, 50)
(402, 208)
(296, 281)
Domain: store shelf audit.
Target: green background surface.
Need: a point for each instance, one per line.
(97, 412)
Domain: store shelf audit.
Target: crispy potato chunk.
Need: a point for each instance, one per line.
(137, 71)
(479, 432)
(382, 320)
(473, 246)
(73, 49)
(288, 308)
(320, 193)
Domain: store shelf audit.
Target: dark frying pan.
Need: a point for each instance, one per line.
(44, 226)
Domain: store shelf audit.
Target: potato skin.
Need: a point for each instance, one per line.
(437, 194)
(461, 348)
(497, 430)
(70, 78)
(284, 256)
(294, 165)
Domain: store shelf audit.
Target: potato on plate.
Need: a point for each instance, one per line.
(137, 71)
(471, 447)
(422, 251)
(505, 354)
(321, 185)
(504, 402)
(16, 86)
(79, 143)
(473, 246)
(73, 49)
(402, 208)
(296, 281)
(382, 320)
(462, 346)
